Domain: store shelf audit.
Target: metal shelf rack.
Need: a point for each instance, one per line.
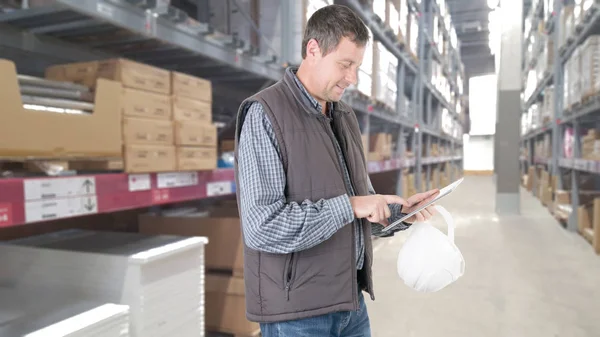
(81, 30)
(587, 113)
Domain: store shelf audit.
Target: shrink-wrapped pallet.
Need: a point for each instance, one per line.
(590, 66)
(575, 78)
(548, 105)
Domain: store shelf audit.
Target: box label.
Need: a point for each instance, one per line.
(176, 179)
(139, 182)
(60, 208)
(37, 189)
(219, 188)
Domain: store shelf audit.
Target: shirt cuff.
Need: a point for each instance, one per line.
(341, 210)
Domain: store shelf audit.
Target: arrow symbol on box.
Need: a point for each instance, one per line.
(89, 205)
(88, 185)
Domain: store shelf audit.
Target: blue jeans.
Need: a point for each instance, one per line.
(338, 324)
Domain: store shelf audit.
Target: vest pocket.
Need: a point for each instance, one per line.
(288, 273)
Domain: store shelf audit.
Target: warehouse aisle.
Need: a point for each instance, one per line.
(525, 276)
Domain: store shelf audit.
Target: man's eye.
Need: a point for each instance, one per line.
(345, 66)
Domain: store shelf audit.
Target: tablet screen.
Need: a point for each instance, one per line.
(443, 192)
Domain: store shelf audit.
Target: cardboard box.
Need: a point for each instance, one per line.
(225, 249)
(31, 133)
(130, 74)
(190, 86)
(187, 109)
(139, 103)
(228, 145)
(226, 298)
(562, 197)
(382, 144)
(149, 158)
(85, 73)
(191, 158)
(195, 134)
(148, 131)
(136, 75)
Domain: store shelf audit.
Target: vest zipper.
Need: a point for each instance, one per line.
(288, 276)
(354, 257)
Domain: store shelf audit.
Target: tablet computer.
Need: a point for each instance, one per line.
(443, 192)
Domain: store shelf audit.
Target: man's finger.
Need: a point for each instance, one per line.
(387, 211)
(420, 217)
(431, 209)
(432, 192)
(394, 199)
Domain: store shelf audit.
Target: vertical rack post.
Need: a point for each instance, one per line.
(558, 97)
(420, 83)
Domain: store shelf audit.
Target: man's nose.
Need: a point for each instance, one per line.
(352, 77)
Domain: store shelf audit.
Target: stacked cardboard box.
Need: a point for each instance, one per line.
(408, 185)
(27, 132)
(380, 146)
(435, 178)
(224, 262)
(166, 117)
(590, 148)
(195, 135)
(543, 147)
(145, 108)
(588, 216)
(546, 187)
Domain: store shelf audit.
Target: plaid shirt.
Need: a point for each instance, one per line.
(270, 223)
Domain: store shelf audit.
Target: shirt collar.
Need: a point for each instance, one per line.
(318, 108)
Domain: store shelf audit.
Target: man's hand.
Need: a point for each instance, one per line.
(415, 200)
(375, 207)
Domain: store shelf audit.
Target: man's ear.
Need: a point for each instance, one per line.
(313, 50)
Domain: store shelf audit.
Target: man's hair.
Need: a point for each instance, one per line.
(330, 24)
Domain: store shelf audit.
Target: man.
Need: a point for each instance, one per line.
(307, 205)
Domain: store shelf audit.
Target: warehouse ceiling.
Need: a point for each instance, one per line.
(470, 18)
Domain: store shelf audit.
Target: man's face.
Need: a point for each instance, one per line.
(337, 70)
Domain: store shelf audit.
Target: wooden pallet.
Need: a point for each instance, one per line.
(58, 166)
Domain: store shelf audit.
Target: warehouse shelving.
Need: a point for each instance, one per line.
(420, 126)
(563, 157)
(29, 200)
(73, 30)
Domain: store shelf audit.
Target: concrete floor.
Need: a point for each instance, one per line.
(525, 276)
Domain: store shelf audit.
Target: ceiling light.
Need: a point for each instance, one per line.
(493, 3)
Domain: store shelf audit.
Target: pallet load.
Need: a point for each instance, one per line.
(588, 216)
(49, 119)
(590, 145)
(195, 135)
(385, 89)
(43, 312)
(146, 273)
(590, 66)
(224, 261)
(166, 117)
(380, 146)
